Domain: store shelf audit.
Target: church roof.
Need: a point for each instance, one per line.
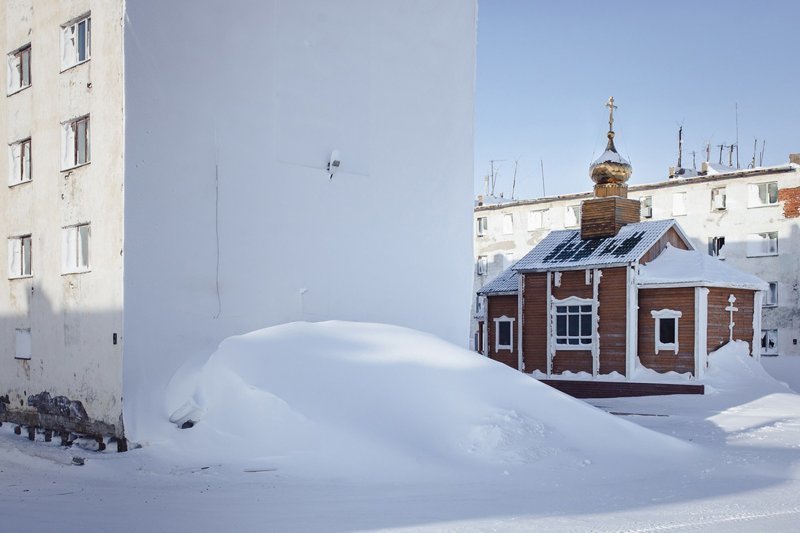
(565, 249)
(675, 267)
(506, 282)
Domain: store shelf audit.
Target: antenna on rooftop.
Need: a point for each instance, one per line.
(541, 164)
(708, 151)
(761, 157)
(755, 147)
(514, 181)
(694, 162)
(730, 155)
(737, 134)
(721, 147)
(680, 145)
(494, 172)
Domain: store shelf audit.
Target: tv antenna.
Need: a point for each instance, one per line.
(494, 172)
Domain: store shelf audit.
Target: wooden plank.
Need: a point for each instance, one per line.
(622, 389)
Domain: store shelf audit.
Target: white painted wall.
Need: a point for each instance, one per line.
(72, 317)
(263, 91)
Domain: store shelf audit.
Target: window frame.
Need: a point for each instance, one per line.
(508, 224)
(16, 254)
(504, 320)
(754, 196)
(769, 302)
(16, 74)
(544, 219)
(666, 314)
(574, 301)
(482, 265)
(23, 355)
(77, 266)
(749, 249)
(765, 334)
(716, 247)
(482, 226)
(714, 201)
(576, 210)
(16, 172)
(70, 136)
(646, 204)
(675, 212)
(74, 26)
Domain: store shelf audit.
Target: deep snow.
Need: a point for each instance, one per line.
(724, 461)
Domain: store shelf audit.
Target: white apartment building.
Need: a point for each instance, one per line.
(748, 217)
(181, 172)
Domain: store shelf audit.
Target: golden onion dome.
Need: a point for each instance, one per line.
(610, 167)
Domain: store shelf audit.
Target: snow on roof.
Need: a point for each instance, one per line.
(505, 282)
(566, 249)
(685, 267)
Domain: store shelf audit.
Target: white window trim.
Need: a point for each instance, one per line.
(658, 315)
(497, 345)
(724, 202)
(11, 76)
(67, 268)
(766, 349)
(508, 224)
(69, 158)
(646, 210)
(573, 300)
(482, 226)
(12, 252)
(576, 212)
(767, 254)
(482, 265)
(752, 192)
(682, 204)
(19, 353)
(767, 303)
(13, 170)
(544, 219)
(66, 65)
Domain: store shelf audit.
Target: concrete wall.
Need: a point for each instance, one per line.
(72, 317)
(232, 222)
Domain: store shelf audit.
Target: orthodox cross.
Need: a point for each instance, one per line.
(611, 107)
(731, 308)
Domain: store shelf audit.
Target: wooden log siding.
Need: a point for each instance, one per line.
(719, 318)
(497, 306)
(677, 299)
(670, 237)
(573, 283)
(534, 322)
(613, 309)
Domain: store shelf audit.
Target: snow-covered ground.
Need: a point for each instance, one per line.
(386, 428)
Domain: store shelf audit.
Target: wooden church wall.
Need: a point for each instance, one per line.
(534, 333)
(498, 306)
(612, 311)
(719, 318)
(670, 237)
(677, 299)
(573, 283)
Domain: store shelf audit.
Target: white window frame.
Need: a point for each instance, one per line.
(771, 295)
(505, 320)
(20, 256)
(678, 204)
(508, 224)
(22, 343)
(19, 162)
(716, 247)
(647, 206)
(719, 199)
(508, 259)
(572, 216)
(767, 334)
(482, 226)
(480, 306)
(764, 241)
(666, 314)
(482, 265)
(71, 143)
(561, 342)
(538, 219)
(19, 69)
(70, 40)
(755, 194)
(76, 249)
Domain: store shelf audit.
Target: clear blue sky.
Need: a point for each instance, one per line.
(545, 69)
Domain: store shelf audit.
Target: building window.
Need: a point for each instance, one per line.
(761, 244)
(76, 42)
(666, 332)
(508, 224)
(572, 216)
(22, 340)
(482, 226)
(762, 194)
(647, 206)
(538, 219)
(771, 297)
(19, 69)
(19, 170)
(769, 341)
(504, 333)
(479, 306)
(508, 259)
(716, 247)
(19, 257)
(718, 199)
(75, 249)
(574, 323)
(678, 204)
(482, 266)
(75, 143)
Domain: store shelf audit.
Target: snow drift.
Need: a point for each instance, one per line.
(344, 398)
